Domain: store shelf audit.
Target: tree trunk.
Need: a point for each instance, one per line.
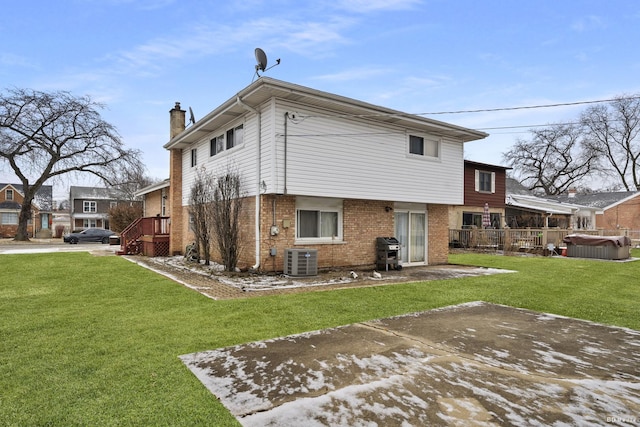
(22, 234)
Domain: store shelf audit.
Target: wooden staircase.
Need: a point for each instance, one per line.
(147, 235)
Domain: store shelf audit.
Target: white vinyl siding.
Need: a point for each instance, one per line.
(329, 155)
(352, 158)
(241, 158)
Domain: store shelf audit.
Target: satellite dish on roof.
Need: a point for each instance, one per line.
(192, 118)
(261, 59)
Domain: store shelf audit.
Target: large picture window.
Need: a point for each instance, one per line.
(318, 219)
(9, 218)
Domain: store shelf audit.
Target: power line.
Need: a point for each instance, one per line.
(527, 107)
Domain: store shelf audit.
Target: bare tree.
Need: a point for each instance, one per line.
(201, 212)
(612, 135)
(553, 160)
(44, 135)
(227, 208)
(123, 214)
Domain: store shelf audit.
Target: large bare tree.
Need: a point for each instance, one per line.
(553, 160)
(611, 132)
(44, 135)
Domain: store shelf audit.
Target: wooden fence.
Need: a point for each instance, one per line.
(529, 239)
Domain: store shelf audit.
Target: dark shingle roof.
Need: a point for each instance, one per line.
(596, 200)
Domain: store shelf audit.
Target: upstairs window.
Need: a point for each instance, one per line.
(424, 147)
(8, 194)
(89, 206)
(194, 157)
(485, 181)
(216, 145)
(235, 136)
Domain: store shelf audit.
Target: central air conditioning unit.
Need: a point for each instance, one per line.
(301, 262)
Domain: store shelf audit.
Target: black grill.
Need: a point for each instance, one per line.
(387, 253)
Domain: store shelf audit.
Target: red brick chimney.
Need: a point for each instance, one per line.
(177, 125)
(572, 193)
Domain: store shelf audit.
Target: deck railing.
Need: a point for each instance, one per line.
(146, 226)
(525, 239)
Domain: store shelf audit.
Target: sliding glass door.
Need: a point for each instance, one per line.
(411, 232)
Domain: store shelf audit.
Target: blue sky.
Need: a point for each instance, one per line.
(139, 57)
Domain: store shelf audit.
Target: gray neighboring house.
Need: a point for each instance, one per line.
(89, 206)
(524, 209)
(617, 209)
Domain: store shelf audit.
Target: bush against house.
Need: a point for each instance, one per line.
(123, 214)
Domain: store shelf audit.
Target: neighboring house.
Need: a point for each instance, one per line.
(90, 206)
(525, 210)
(155, 199)
(324, 172)
(615, 209)
(11, 198)
(483, 184)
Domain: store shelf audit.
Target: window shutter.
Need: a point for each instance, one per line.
(493, 182)
(477, 180)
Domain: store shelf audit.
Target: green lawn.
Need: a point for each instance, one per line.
(92, 341)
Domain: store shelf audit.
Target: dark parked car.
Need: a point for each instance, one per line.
(89, 235)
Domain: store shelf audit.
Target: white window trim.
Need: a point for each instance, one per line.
(12, 214)
(9, 194)
(89, 203)
(493, 182)
(425, 138)
(223, 136)
(324, 205)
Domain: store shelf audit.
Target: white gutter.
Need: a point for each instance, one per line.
(259, 159)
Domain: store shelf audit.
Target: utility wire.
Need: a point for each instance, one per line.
(528, 107)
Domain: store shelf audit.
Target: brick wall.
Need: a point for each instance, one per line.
(624, 215)
(177, 213)
(438, 234)
(153, 203)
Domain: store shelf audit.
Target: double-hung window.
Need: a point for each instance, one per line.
(485, 181)
(89, 206)
(421, 146)
(8, 194)
(318, 219)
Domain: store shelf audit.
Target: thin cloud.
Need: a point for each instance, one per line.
(366, 6)
(353, 74)
(588, 23)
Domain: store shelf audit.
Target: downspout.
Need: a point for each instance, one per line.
(259, 159)
(286, 117)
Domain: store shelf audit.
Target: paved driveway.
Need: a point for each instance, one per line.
(471, 364)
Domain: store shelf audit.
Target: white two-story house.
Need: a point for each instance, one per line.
(324, 172)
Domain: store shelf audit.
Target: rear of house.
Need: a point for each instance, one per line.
(322, 172)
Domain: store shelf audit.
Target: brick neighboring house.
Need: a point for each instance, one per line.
(89, 206)
(11, 198)
(483, 183)
(618, 209)
(324, 172)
